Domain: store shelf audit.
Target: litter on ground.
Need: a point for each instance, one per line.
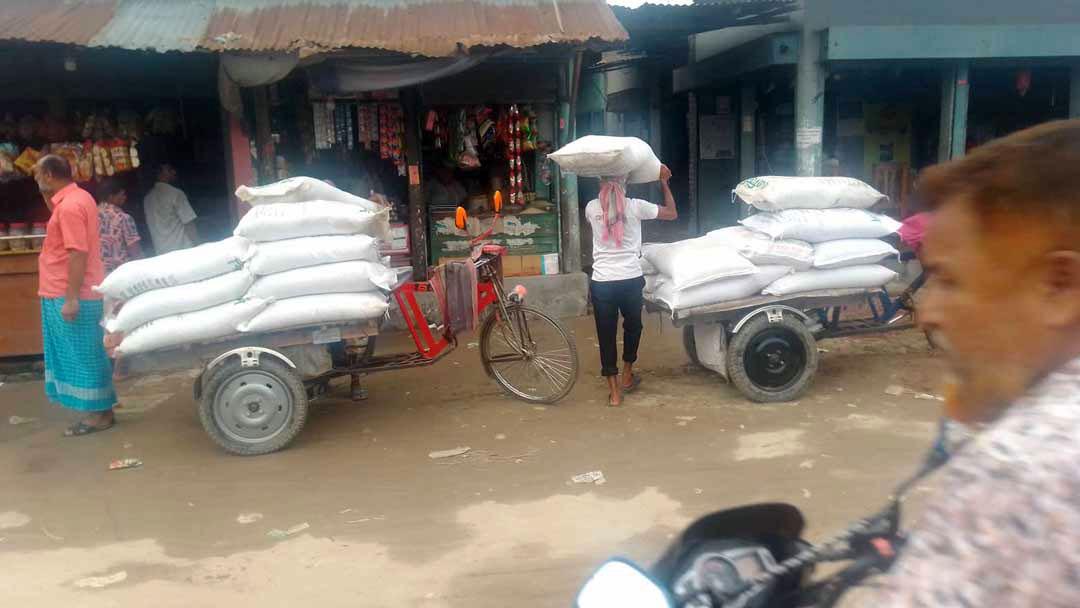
(593, 477)
(99, 582)
(458, 451)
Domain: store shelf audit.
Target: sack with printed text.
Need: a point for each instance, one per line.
(176, 268)
(776, 193)
(696, 261)
(282, 221)
(278, 256)
(818, 225)
(298, 190)
(762, 250)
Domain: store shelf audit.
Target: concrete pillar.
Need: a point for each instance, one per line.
(809, 103)
(960, 111)
(570, 224)
(1074, 92)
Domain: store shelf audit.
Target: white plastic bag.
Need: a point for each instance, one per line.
(818, 225)
(716, 292)
(205, 325)
(318, 310)
(281, 221)
(606, 156)
(776, 193)
(851, 252)
(347, 277)
(176, 268)
(696, 261)
(279, 256)
(169, 301)
(762, 250)
(299, 190)
(849, 277)
(710, 341)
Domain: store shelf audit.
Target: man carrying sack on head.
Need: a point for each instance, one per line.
(617, 280)
(78, 374)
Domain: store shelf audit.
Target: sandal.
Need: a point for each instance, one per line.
(80, 428)
(635, 382)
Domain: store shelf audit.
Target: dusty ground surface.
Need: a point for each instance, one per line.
(388, 526)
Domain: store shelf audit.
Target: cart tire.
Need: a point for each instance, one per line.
(563, 359)
(772, 362)
(253, 410)
(690, 346)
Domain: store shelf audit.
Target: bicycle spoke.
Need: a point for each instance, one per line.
(563, 367)
(507, 358)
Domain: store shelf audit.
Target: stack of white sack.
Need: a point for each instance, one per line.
(810, 234)
(702, 271)
(290, 264)
(606, 156)
(830, 214)
(316, 259)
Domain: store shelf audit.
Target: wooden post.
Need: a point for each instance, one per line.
(960, 111)
(264, 140)
(238, 167)
(809, 104)
(747, 143)
(418, 209)
(569, 220)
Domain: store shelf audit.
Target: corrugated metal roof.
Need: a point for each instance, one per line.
(419, 27)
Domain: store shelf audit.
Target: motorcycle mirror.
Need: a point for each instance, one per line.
(496, 201)
(621, 584)
(461, 218)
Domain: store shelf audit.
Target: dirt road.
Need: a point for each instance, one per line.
(376, 522)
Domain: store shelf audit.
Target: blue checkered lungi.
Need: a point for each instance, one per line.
(78, 373)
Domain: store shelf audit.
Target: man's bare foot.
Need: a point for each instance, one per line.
(615, 392)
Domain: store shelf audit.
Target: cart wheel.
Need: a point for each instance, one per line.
(772, 361)
(529, 354)
(690, 345)
(253, 410)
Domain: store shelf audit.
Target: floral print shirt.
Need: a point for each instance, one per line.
(1003, 526)
(118, 232)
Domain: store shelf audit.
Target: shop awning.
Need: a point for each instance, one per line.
(414, 27)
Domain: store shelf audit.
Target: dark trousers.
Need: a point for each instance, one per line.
(609, 298)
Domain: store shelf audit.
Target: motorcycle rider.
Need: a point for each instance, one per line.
(1003, 257)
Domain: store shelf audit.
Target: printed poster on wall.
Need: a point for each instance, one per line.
(717, 136)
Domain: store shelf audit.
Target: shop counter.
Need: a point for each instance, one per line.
(20, 308)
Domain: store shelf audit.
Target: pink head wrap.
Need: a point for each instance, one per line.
(613, 203)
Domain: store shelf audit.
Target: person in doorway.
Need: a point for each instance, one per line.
(445, 190)
(78, 373)
(617, 280)
(169, 215)
(119, 236)
(1003, 257)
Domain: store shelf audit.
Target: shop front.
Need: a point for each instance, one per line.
(116, 116)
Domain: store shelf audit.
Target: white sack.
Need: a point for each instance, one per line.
(818, 225)
(342, 277)
(606, 156)
(279, 256)
(299, 190)
(774, 193)
(762, 250)
(849, 277)
(176, 268)
(213, 323)
(851, 252)
(314, 218)
(696, 261)
(710, 341)
(715, 292)
(169, 301)
(318, 310)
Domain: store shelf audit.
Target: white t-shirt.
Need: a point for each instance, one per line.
(167, 212)
(612, 262)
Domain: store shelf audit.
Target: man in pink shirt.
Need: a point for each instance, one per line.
(78, 373)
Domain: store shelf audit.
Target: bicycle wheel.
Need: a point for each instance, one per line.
(529, 354)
